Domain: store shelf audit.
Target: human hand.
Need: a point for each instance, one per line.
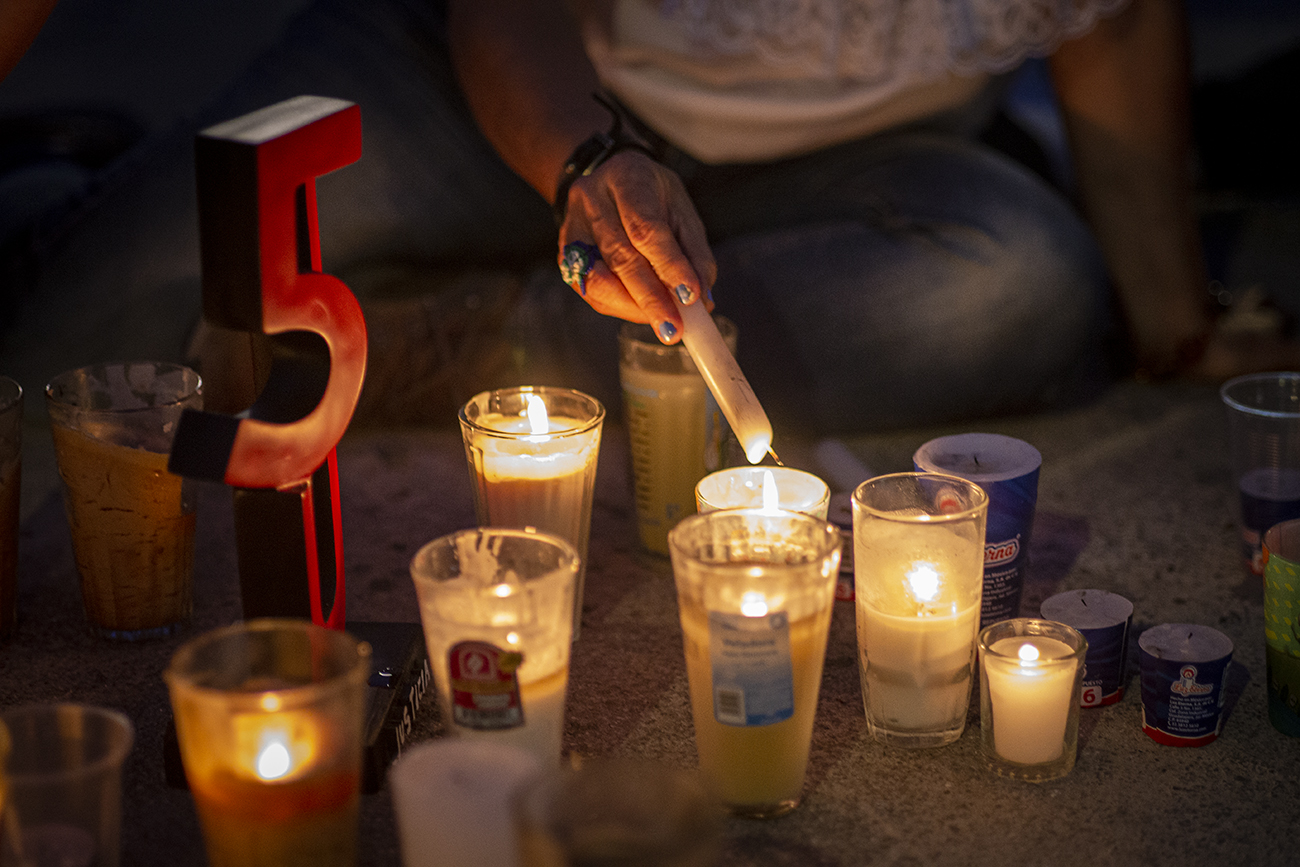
(650, 238)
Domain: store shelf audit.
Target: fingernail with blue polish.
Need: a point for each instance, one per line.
(684, 294)
(708, 294)
(667, 331)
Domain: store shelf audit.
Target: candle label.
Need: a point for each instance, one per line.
(753, 680)
(485, 686)
(1184, 671)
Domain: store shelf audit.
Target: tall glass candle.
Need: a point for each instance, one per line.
(532, 453)
(755, 589)
(1031, 672)
(496, 605)
(269, 715)
(919, 567)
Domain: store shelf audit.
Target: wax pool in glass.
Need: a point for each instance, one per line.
(269, 715)
(1031, 672)
(754, 487)
(532, 453)
(755, 589)
(918, 559)
(496, 605)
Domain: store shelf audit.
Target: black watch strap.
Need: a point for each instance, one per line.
(587, 156)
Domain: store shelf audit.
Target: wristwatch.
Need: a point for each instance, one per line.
(587, 156)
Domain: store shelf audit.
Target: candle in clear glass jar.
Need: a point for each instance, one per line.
(919, 562)
(532, 454)
(269, 716)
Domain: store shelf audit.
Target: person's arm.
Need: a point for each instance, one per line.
(528, 82)
(1124, 92)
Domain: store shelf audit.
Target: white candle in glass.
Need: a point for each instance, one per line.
(1030, 697)
(746, 487)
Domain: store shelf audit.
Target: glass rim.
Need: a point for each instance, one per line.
(828, 532)
(597, 410)
(570, 560)
(1225, 393)
(979, 500)
(297, 694)
(181, 398)
(114, 755)
(1033, 626)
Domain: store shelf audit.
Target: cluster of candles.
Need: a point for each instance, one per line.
(756, 571)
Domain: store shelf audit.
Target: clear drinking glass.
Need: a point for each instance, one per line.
(270, 716)
(918, 560)
(496, 604)
(532, 454)
(755, 590)
(132, 520)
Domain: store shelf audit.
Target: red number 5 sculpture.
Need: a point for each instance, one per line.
(260, 250)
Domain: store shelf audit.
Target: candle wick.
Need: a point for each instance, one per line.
(976, 459)
(775, 457)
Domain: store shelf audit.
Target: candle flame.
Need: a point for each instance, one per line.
(1028, 653)
(273, 760)
(753, 604)
(537, 420)
(923, 582)
(771, 497)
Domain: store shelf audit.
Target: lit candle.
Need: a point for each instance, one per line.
(533, 453)
(746, 487)
(918, 639)
(1030, 697)
(918, 561)
(755, 589)
(269, 716)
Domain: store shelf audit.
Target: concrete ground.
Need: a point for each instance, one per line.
(1134, 498)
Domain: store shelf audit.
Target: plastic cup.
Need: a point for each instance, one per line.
(496, 606)
(11, 450)
(677, 432)
(270, 718)
(755, 590)
(1264, 447)
(132, 520)
(63, 805)
(1282, 625)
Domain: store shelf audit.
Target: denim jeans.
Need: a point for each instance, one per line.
(908, 278)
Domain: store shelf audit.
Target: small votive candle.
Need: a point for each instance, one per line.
(1030, 675)
(745, 488)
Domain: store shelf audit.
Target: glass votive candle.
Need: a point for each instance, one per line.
(1031, 672)
(918, 561)
(532, 454)
(743, 488)
(269, 715)
(755, 590)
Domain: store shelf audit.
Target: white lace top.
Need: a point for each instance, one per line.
(749, 80)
